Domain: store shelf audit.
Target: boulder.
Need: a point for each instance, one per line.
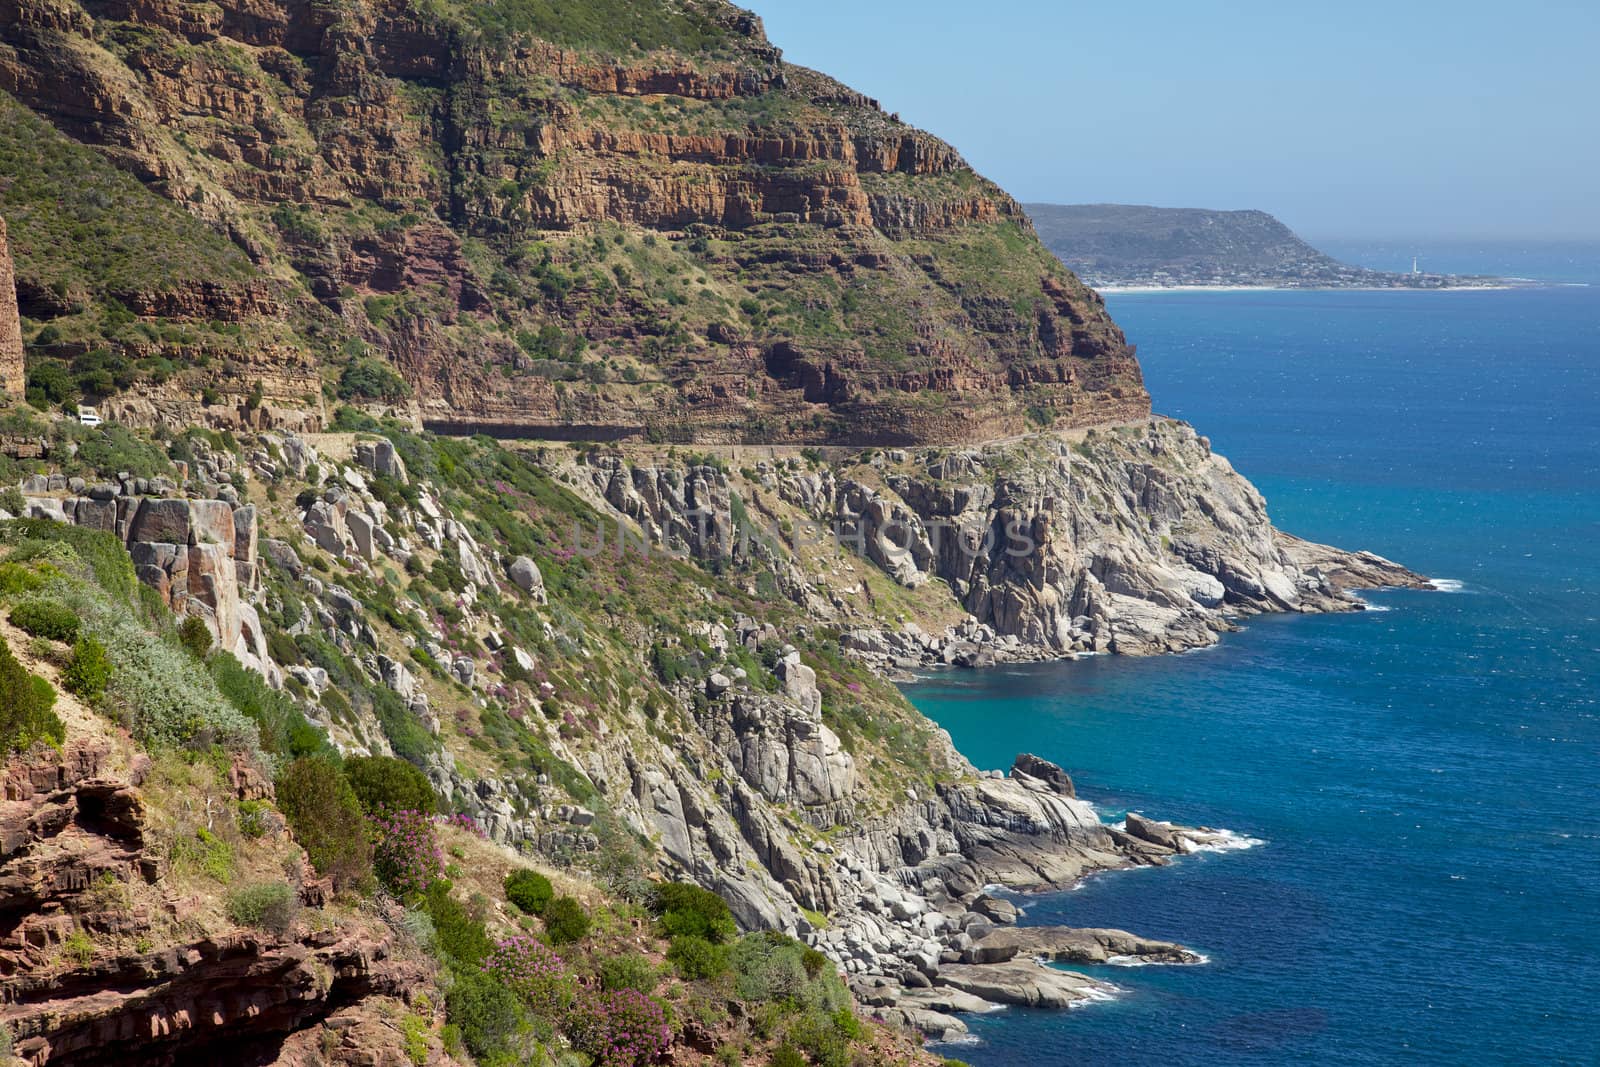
(996, 909)
(96, 515)
(283, 555)
(525, 574)
(381, 458)
(1028, 766)
(1153, 831)
(361, 528)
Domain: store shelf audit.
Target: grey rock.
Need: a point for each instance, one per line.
(1090, 946)
(1028, 766)
(996, 910)
(380, 458)
(361, 529)
(165, 521)
(283, 555)
(525, 574)
(1024, 983)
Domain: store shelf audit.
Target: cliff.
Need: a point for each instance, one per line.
(491, 219)
(1131, 245)
(11, 355)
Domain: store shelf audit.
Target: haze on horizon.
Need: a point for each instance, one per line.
(1361, 120)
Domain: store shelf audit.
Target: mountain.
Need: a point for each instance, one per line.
(1113, 245)
(594, 220)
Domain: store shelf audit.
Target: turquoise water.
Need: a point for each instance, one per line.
(1425, 779)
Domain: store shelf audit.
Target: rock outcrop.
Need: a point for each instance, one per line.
(11, 369)
(200, 556)
(73, 839)
(1135, 539)
(1089, 946)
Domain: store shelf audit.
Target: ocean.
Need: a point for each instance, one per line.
(1423, 779)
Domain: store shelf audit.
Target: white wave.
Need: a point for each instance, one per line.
(1097, 995)
(959, 1039)
(1216, 840)
(1447, 585)
(1220, 841)
(1367, 605)
(1137, 961)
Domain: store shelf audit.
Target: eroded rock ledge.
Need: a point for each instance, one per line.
(72, 824)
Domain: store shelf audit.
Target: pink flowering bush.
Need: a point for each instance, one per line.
(406, 856)
(464, 822)
(534, 972)
(623, 1028)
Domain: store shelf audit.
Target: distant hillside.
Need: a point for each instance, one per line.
(1126, 244)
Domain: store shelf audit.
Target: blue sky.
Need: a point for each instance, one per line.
(1361, 119)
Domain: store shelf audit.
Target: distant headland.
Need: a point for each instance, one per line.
(1129, 246)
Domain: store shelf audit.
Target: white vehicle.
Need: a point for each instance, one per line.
(88, 416)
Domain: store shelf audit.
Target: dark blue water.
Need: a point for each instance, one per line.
(1426, 779)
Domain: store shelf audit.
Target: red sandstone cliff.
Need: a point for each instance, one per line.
(570, 238)
(11, 378)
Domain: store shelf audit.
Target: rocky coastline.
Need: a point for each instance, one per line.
(1128, 540)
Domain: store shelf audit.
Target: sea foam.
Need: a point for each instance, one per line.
(1137, 961)
(1224, 841)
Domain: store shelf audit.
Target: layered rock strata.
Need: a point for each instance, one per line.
(11, 368)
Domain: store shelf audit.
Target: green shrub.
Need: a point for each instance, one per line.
(106, 557)
(529, 890)
(195, 635)
(826, 1036)
(17, 578)
(78, 947)
(11, 500)
(154, 685)
(370, 379)
(253, 818)
(46, 618)
(25, 706)
(486, 1011)
(283, 650)
(284, 730)
(383, 783)
(270, 906)
(323, 811)
(694, 957)
(407, 737)
(205, 852)
(787, 1055)
(631, 970)
(88, 671)
(770, 967)
(415, 1030)
(685, 909)
(459, 936)
(565, 921)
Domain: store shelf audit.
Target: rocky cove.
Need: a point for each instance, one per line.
(768, 791)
